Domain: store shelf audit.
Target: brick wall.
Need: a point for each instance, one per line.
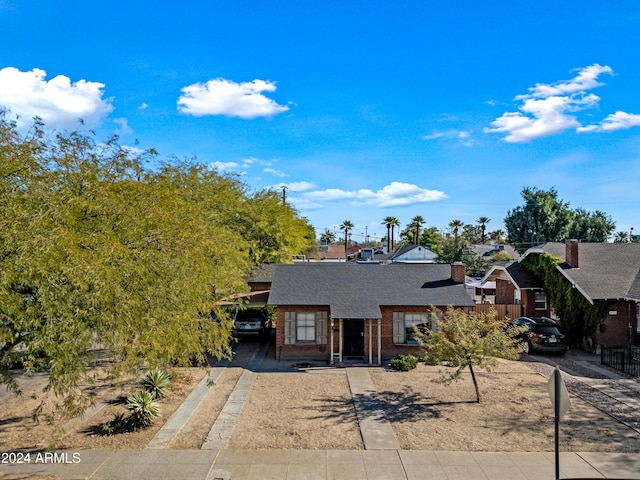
(323, 352)
(614, 329)
(504, 291)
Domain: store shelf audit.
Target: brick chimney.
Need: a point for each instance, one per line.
(571, 253)
(457, 272)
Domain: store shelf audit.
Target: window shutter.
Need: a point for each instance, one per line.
(321, 328)
(289, 328)
(398, 327)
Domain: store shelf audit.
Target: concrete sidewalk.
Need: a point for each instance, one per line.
(324, 465)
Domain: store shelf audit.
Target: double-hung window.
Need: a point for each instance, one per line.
(540, 301)
(405, 325)
(305, 328)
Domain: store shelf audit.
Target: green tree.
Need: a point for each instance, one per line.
(483, 226)
(388, 222)
(621, 237)
(455, 226)
(469, 341)
(394, 222)
(590, 227)
(99, 251)
(329, 236)
(346, 227)
(415, 224)
(542, 218)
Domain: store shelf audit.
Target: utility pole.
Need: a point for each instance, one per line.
(284, 194)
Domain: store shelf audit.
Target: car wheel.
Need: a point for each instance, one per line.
(527, 348)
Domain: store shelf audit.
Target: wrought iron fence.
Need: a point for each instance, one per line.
(625, 358)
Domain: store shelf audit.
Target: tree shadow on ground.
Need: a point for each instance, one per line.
(393, 406)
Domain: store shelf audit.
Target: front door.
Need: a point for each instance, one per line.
(354, 338)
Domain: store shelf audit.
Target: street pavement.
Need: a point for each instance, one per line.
(382, 459)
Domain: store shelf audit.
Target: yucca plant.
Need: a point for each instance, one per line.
(117, 424)
(156, 382)
(144, 409)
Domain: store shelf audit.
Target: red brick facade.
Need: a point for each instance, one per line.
(619, 327)
(323, 352)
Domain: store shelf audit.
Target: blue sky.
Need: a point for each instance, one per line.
(364, 109)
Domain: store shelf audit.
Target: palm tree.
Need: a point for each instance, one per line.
(416, 223)
(346, 226)
(387, 221)
(483, 225)
(497, 235)
(329, 236)
(394, 222)
(455, 226)
(621, 237)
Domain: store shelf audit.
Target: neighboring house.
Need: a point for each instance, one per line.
(601, 272)
(488, 252)
(360, 312)
(414, 254)
(514, 286)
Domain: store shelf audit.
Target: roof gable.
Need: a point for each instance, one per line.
(605, 270)
(358, 291)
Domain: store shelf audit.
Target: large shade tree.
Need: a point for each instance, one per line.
(546, 218)
(99, 250)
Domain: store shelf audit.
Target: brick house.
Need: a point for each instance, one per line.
(517, 287)
(601, 272)
(361, 312)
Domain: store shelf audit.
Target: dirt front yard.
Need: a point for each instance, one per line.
(312, 408)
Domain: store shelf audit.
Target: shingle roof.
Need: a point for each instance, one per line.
(605, 270)
(358, 291)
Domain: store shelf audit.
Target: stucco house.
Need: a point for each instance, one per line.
(414, 254)
(602, 272)
(359, 312)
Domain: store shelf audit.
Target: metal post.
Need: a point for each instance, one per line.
(556, 380)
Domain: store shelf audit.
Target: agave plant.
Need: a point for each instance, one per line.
(144, 409)
(156, 382)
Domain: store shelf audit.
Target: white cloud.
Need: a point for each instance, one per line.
(124, 128)
(463, 136)
(546, 109)
(59, 102)
(585, 80)
(224, 166)
(274, 172)
(224, 97)
(255, 161)
(143, 106)
(296, 186)
(615, 121)
(433, 136)
(395, 194)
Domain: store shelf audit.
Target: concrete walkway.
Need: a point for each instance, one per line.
(381, 459)
(376, 431)
(325, 465)
(222, 428)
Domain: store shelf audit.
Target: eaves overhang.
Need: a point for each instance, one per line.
(574, 284)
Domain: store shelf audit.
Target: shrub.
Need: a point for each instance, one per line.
(144, 409)
(156, 382)
(404, 362)
(118, 424)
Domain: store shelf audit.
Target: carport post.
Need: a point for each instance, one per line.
(370, 341)
(379, 341)
(331, 358)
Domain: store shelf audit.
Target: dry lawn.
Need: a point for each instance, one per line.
(313, 409)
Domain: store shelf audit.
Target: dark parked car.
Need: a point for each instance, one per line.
(542, 335)
(253, 321)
